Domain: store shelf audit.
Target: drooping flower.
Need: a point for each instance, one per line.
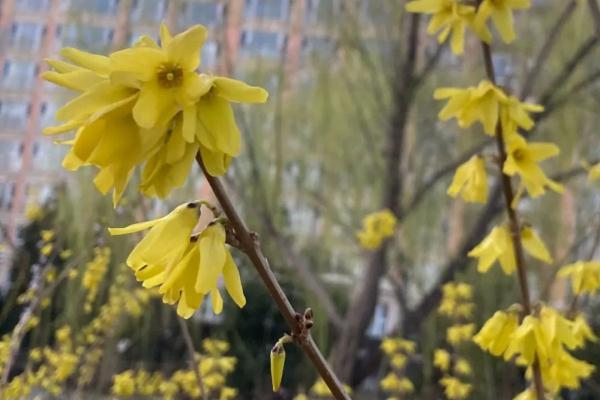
(498, 245)
(470, 181)
(523, 158)
(481, 103)
(454, 389)
(594, 172)
(495, 335)
(462, 367)
(441, 359)
(528, 341)
(500, 11)
(376, 227)
(514, 114)
(585, 276)
(460, 333)
(147, 104)
(450, 17)
(394, 383)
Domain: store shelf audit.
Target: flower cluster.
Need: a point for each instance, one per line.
(398, 351)
(184, 266)
(489, 105)
(543, 338)
(376, 227)
(148, 105)
(214, 367)
(94, 273)
(457, 306)
(452, 17)
(51, 368)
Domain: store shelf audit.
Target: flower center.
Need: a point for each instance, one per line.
(170, 75)
(519, 155)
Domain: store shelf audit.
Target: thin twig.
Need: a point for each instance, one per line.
(546, 49)
(194, 362)
(251, 247)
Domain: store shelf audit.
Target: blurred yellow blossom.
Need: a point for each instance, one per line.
(470, 181)
(584, 275)
(460, 333)
(376, 227)
(500, 11)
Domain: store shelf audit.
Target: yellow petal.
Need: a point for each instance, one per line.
(233, 282)
(184, 49)
(139, 61)
(137, 227)
(212, 257)
(94, 62)
(216, 162)
(151, 104)
(217, 117)
(237, 91)
(217, 301)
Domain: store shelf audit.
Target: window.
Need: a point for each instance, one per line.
(267, 9)
(147, 10)
(13, 115)
(26, 35)
(377, 329)
(18, 74)
(210, 53)
(47, 113)
(320, 46)
(7, 190)
(10, 157)
(108, 7)
(267, 44)
(320, 11)
(32, 5)
(91, 38)
(204, 13)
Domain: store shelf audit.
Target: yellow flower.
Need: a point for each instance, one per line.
(170, 165)
(449, 16)
(500, 11)
(585, 276)
(565, 371)
(514, 114)
(320, 388)
(495, 335)
(582, 331)
(441, 359)
(454, 388)
(124, 384)
(522, 159)
(65, 254)
(148, 104)
(481, 103)
(94, 274)
(167, 239)
(215, 347)
(470, 181)
(376, 227)
(33, 212)
(498, 246)
(46, 249)
(165, 77)
(393, 383)
(462, 367)
(398, 361)
(529, 341)
(228, 393)
(460, 333)
(47, 235)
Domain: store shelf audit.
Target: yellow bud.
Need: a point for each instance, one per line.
(277, 364)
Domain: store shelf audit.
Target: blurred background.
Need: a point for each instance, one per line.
(350, 128)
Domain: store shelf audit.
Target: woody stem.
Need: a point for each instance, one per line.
(513, 218)
(249, 245)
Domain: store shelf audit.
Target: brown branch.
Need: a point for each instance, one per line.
(546, 49)
(251, 248)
